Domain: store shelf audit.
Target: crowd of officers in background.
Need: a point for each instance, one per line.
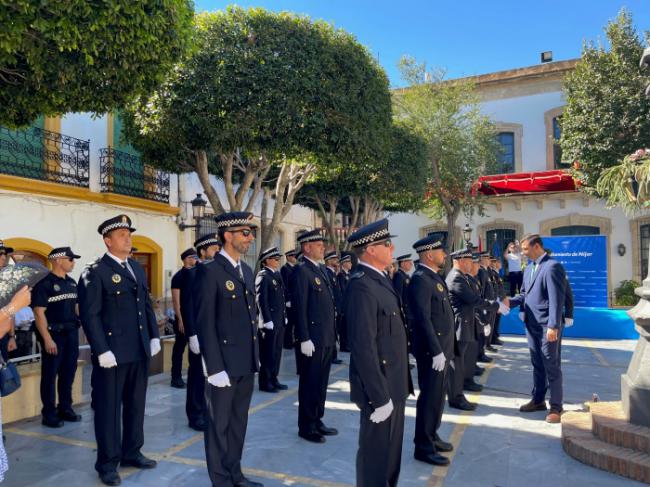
(236, 324)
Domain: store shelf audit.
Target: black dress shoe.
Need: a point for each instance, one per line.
(281, 387)
(463, 405)
(485, 359)
(431, 458)
(110, 478)
(248, 483)
(443, 446)
(531, 407)
(472, 387)
(490, 348)
(326, 431)
(199, 425)
(268, 389)
(70, 416)
(411, 366)
(478, 371)
(337, 361)
(178, 383)
(313, 437)
(52, 422)
(139, 462)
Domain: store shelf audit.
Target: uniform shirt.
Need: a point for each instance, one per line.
(182, 281)
(58, 295)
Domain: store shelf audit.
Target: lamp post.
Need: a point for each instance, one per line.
(467, 235)
(198, 210)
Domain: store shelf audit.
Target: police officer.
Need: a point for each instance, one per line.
(332, 266)
(120, 324)
(54, 300)
(489, 291)
(380, 380)
(188, 257)
(482, 315)
(402, 279)
(226, 321)
(433, 340)
(345, 266)
(494, 269)
(315, 310)
(206, 248)
(287, 277)
(464, 299)
(272, 319)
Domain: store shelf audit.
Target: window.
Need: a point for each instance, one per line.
(558, 163)
(497, 240)
(575, 230)
(506, 158)
(644, 234)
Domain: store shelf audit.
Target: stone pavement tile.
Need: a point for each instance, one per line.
(169, 473)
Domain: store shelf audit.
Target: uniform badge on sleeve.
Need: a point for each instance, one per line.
(57, 287)
(230, 286)
(440, 288)
(317, 281)
(116, 278)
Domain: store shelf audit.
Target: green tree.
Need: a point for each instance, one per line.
(75, 55)
(607, 115)
(460, 140)
(263, 101)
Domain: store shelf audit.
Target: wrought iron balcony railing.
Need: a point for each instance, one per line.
(124, 173)
(48, 156)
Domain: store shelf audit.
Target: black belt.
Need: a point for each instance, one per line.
(62, 326)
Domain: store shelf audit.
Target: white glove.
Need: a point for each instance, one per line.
(439, 362)
(458, 333)
(503, 309)
(288, 305)
(154, 343)
(568, 322)
(307, 348)
(107, 360)
(522, 316)
(220, 380)
(194, 345)
(486, 330)
(286, 320)
(382, 413)
(268, 325)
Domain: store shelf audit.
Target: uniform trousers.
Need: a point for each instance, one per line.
(121, 389)
(195, 396)
(227, 409)
(470, 359)
(312, 387)
(177, 354)
(63, 366)
(271, 342)
(380, 448)
(457, 374)
(430, 403)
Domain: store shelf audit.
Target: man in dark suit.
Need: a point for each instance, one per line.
(402, 279)
(272, 319)
(313, 299)
(120, 324)
(464, 299)
(379, 376)
(542, 298)
(433, 344)
(287, 278)
(226, 321)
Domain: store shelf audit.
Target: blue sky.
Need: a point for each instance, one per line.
(464, 37)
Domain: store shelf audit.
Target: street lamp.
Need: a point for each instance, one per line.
(198, 210)
(467, 235)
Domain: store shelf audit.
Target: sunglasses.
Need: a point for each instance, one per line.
(246, 232)
(385, 243)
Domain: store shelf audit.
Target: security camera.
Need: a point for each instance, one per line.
(645, 58)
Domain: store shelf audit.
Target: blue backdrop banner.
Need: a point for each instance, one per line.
(585, 261)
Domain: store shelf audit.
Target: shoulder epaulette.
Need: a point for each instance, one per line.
(418, 272)
(357, 275)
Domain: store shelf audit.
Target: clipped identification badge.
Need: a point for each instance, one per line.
(116, 278)
(230, 286)
(440, 288)
(317, 281)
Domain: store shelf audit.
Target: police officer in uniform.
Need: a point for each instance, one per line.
(226, 321)
(433, 341)
(206, 248)
(488, 287)
(482, 315)
(120, 324)
(313, 299)
(272, 319)
(287, 277)
(495, 267)
(332, 266)
(380, 380)
(54, 300)
(345, 266)
(188, 257)
(402, 279)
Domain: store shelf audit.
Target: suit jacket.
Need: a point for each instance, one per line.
(543, 294)
(464, 299)
(432, 317)
(270, 297)
(378, 341)
(401, 282)
(313, 304)
(116, 311)
(226, 317)
(568, 300)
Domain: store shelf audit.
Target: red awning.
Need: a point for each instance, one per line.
(525, 182)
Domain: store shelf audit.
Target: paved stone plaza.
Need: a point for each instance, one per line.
(495, 445)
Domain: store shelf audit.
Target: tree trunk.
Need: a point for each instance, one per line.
(204, 177)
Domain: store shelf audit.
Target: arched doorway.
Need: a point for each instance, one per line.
(28, 250)
(150, 256)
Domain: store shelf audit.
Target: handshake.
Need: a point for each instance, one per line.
(504, 306)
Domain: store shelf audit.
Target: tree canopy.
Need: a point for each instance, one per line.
(74, 55)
